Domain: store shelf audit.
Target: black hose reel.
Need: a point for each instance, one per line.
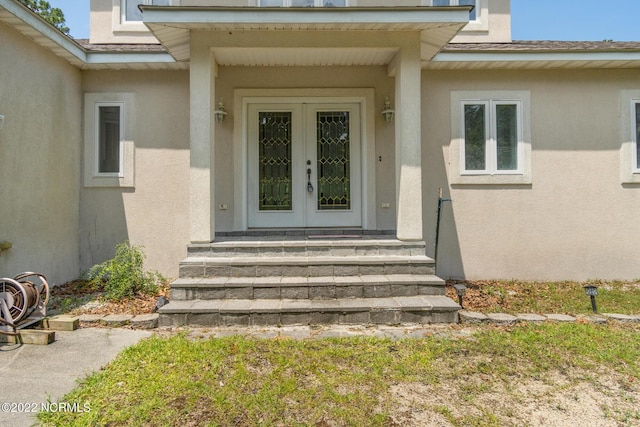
(23, 301)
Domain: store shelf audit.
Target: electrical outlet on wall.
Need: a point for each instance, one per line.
(386, 205)
(223, 206)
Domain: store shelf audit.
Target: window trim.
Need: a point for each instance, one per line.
(491, 174)
(92, 175)
(629, 167)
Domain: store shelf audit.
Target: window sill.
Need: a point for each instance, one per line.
(520, 179)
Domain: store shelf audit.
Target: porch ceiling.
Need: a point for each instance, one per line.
(172, 26)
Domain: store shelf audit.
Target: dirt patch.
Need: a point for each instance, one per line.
(78, 298)
(580, 398)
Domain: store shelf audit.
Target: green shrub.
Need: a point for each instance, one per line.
(123, 276)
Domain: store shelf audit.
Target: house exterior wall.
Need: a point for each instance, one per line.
(154, 212)
(577, 220)
(40, 147)
(493, 23)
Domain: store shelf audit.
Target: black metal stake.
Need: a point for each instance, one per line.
(435, 255)
(593, 304)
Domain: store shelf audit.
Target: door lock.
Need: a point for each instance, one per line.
(309, 185)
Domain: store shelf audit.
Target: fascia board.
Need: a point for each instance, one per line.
(259, 15)
(535, 56)
(128, 58)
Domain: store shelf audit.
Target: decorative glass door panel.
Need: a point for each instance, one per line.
(333, 163)
(274, 161)
(303, 165)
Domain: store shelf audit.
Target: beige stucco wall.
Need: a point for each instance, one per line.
(155, 213)
(40, 146)
(576, 221)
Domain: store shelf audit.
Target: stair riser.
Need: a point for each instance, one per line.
(304, 292)
(190, 270)
(304, 251)
(383, 317)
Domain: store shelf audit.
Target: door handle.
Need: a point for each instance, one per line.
(309, 184)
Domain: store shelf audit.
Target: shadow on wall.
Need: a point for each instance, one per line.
(104, 225)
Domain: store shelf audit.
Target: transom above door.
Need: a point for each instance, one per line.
(304, 165)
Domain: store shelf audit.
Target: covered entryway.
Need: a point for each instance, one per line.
(304, 165)
(401, 39)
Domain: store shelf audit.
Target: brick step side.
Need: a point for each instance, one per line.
(304, 266)
(382, 286)
(395, 310)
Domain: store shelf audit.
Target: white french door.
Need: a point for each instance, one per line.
(304, 165)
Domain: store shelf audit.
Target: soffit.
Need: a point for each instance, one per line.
(172, 26)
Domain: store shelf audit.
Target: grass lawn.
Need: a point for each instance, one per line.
(548, 297)
(489, 376)
(525, 375)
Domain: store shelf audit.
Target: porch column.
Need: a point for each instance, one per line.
(201, 179)
(407, 68)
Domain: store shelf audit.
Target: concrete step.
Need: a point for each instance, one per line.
(304, 266)
(296, 287)
(395, 310)
(278, 247)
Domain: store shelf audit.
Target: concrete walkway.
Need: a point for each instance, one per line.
(32, 375)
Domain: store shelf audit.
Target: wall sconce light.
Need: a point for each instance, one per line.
(221, 113)
(387, 111)
(1, 120)
(460, 291)
(592, 292)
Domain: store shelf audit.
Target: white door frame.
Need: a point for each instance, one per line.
(244, 97)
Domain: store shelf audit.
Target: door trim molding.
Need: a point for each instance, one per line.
(244, 97)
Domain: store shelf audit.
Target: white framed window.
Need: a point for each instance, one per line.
(303, 3)
(473, 15)
(490, 137)
(109, 146)
(129, 9)
(630, 137)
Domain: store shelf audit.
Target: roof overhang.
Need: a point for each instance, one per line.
(172, 26)
(32, 26)
(538, 55)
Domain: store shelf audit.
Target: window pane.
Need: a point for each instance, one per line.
(441, 2)
(302, 3)
(160, 2)
(109, 140)
(132, 11)
(474, 137)
(473, 14)
(334, 3)
(271, 3)
(507, 136)
(637, 136)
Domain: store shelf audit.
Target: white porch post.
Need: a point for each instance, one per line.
(408, 142)
(202, 95)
